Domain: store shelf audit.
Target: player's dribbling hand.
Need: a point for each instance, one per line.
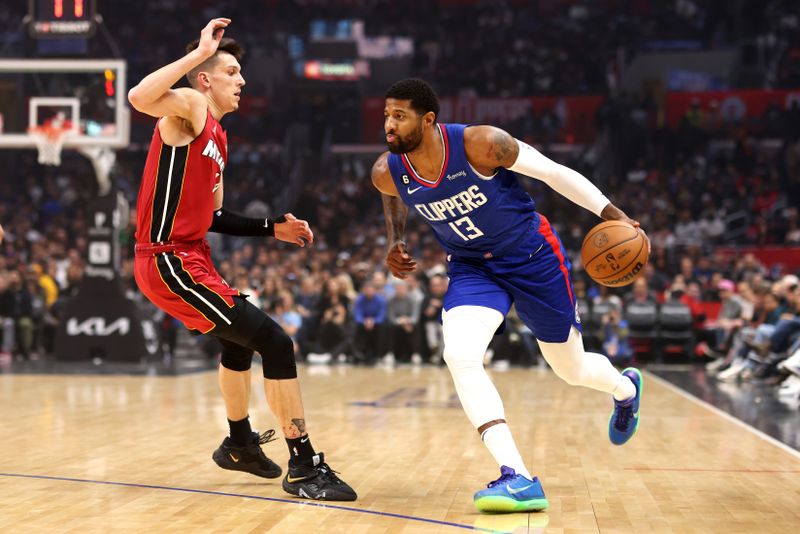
(399, 261)
(293, 230)
(613, 213)
(624, 218)
(636, 225)
(211, 35)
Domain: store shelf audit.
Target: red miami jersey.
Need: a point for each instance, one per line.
(173, 266)
(176, 196)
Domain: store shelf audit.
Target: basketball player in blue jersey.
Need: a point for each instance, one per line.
(462, 180)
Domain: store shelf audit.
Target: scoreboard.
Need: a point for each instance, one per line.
(59, 19)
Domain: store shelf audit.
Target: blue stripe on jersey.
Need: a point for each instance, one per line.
(471, 216)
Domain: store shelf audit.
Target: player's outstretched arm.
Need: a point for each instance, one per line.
(154, 94)
(399, 261)
(489, 148)
(286, 228)
(492, 147)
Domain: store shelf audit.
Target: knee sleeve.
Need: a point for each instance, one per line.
(276, 349)
(235, 357)
(255, 331)
(467, 332)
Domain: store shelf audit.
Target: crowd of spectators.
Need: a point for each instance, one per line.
(694, 188)
(334, 297)
(561, 47)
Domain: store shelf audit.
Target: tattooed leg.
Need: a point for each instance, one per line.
(283, 397)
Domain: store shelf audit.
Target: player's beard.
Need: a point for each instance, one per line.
(409, 143)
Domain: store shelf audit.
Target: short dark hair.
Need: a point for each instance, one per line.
(226, 44)
(422, 96)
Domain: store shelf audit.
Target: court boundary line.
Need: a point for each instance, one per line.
(725, 415)
(255, 497)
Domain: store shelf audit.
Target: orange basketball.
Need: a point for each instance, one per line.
(614, 253)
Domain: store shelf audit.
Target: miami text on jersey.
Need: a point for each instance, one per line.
(213, 152)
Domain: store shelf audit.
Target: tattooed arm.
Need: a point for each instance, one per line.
(399, 261)
(489, 148)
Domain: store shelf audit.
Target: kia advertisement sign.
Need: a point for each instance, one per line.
(100, 322)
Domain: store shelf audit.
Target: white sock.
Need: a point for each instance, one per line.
(500, 442)
(625, 389)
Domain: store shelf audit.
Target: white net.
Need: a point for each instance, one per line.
(49, 142)
(103, 160)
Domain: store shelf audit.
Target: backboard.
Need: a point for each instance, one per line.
(89, 93)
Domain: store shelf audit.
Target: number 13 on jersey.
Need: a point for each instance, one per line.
(470, 231)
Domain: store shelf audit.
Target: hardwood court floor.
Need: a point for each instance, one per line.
(133, 454)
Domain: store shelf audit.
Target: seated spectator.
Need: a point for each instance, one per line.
(641, 293)
(333, 338)
(728, 321)
(307, 301)
(614, 337)
(285, 313)
(369, 312)
(403, 316)
(7, 317)
(431, 317)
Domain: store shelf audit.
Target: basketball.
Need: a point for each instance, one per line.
(614, 253)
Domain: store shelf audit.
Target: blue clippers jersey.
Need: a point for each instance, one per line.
(470, 215)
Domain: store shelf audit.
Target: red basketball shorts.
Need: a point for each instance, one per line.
(181, 280)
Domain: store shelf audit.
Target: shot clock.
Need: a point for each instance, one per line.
(59, 19)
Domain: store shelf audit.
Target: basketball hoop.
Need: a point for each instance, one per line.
(49, 140)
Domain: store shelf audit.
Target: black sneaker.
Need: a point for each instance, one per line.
(317, 481)
(250, 458)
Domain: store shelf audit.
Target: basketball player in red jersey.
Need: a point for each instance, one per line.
(180, 199)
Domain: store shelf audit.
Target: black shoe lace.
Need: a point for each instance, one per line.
(266, 437)
(327, 472)
(624, 416)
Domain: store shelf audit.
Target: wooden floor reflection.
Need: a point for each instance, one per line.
(133, 453)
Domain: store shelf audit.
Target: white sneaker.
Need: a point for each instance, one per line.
(790, 387)
(791, 364)
(714, 366)
(501, 365)
(315, 358)
(733, 371)
(416, 359)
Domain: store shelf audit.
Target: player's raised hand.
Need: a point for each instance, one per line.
(211, 35)
(399, 261)
(290, 229)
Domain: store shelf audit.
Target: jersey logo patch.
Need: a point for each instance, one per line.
(412, 191)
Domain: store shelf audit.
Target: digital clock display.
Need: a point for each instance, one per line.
(62, 18)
